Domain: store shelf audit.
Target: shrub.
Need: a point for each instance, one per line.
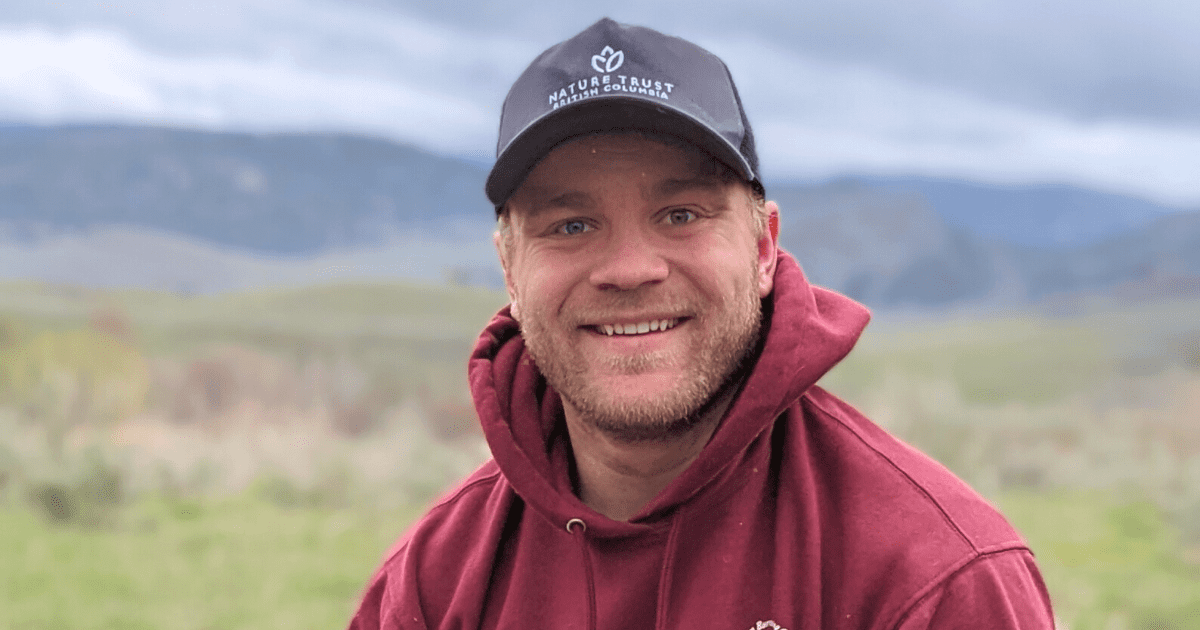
(89, 496)
(72, 377)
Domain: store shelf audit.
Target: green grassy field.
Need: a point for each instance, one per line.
(243, 460)
(188, 564)
(1109, 562)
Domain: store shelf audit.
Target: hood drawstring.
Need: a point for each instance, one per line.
(578, 528)
(668, 568)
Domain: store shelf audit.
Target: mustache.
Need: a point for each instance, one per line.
(623, 306)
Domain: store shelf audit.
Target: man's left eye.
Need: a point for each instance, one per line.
(680, 216)
(571, 228)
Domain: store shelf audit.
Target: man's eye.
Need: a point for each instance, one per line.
(571, 228)
(680, 216)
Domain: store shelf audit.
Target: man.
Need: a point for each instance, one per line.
(662, 457)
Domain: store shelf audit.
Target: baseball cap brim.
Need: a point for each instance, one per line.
(603, 114)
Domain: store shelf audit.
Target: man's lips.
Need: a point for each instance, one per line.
(637, 327)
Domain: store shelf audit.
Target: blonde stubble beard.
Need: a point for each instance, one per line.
(717, 365)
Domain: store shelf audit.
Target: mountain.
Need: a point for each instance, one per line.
(888, 247)
(1163, 257)
(279, 193)
(139, 257)
(198, 211)
(1043, 215)
(880, 246)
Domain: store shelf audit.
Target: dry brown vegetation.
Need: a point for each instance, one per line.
(321, 418)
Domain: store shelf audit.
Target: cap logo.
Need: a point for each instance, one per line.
(607, 81)
(608, 60)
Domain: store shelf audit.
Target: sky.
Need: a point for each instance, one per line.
(1097, 93)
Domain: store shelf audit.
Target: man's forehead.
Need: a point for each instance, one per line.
(536, 197)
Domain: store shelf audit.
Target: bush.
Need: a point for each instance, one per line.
(332, 487)
(55, 501)
(90, 498)
(72, 377)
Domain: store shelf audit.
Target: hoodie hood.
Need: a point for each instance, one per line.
(807, 331)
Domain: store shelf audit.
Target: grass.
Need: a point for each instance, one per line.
(1109, 563)
(416, 310)
(190, 564)
(1022, 359)
(1027, 357)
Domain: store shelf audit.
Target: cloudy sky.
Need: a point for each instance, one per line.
(1100, 93)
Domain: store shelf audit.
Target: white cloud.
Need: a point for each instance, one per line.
(98, 75)
(816, 120)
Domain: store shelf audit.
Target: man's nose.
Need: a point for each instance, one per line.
(628, 260)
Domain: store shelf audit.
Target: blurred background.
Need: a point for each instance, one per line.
(244, 253)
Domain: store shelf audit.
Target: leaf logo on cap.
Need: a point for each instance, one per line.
(608, 60)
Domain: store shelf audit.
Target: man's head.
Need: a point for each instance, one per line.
(636, 259)
(613, 77)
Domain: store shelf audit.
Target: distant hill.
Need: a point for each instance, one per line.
(281, 193)
(132, 256)
(888, 247)
(1163, 257)
(1043, 215)
(199, 211)
(884, 248)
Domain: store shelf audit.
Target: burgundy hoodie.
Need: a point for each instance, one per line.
(799, 513)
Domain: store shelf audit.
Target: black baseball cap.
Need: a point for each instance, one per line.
(614, 77)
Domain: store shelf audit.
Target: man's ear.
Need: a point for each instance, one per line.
(768, 251)
(505, 264)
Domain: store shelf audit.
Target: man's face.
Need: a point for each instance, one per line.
(636, 274)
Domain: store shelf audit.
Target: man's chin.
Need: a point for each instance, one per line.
(621, 425)
(634, 409)
(633, 384)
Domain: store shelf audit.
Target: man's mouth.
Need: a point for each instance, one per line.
(639, 328)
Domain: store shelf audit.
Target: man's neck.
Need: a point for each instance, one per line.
(618, 478)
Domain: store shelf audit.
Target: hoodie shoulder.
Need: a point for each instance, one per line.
(446, 554)
(904, 475)
(456, 524)
(898, 525)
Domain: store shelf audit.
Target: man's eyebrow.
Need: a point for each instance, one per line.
(671, 186)
(542, 200)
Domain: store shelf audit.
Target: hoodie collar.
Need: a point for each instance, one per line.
(807, 331)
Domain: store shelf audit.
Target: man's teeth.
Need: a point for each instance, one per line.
(639, 328)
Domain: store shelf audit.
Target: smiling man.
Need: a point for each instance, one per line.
(662, 455)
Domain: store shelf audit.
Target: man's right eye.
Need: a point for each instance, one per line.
(571, 228)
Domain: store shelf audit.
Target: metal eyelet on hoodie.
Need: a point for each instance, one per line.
(576, 527)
